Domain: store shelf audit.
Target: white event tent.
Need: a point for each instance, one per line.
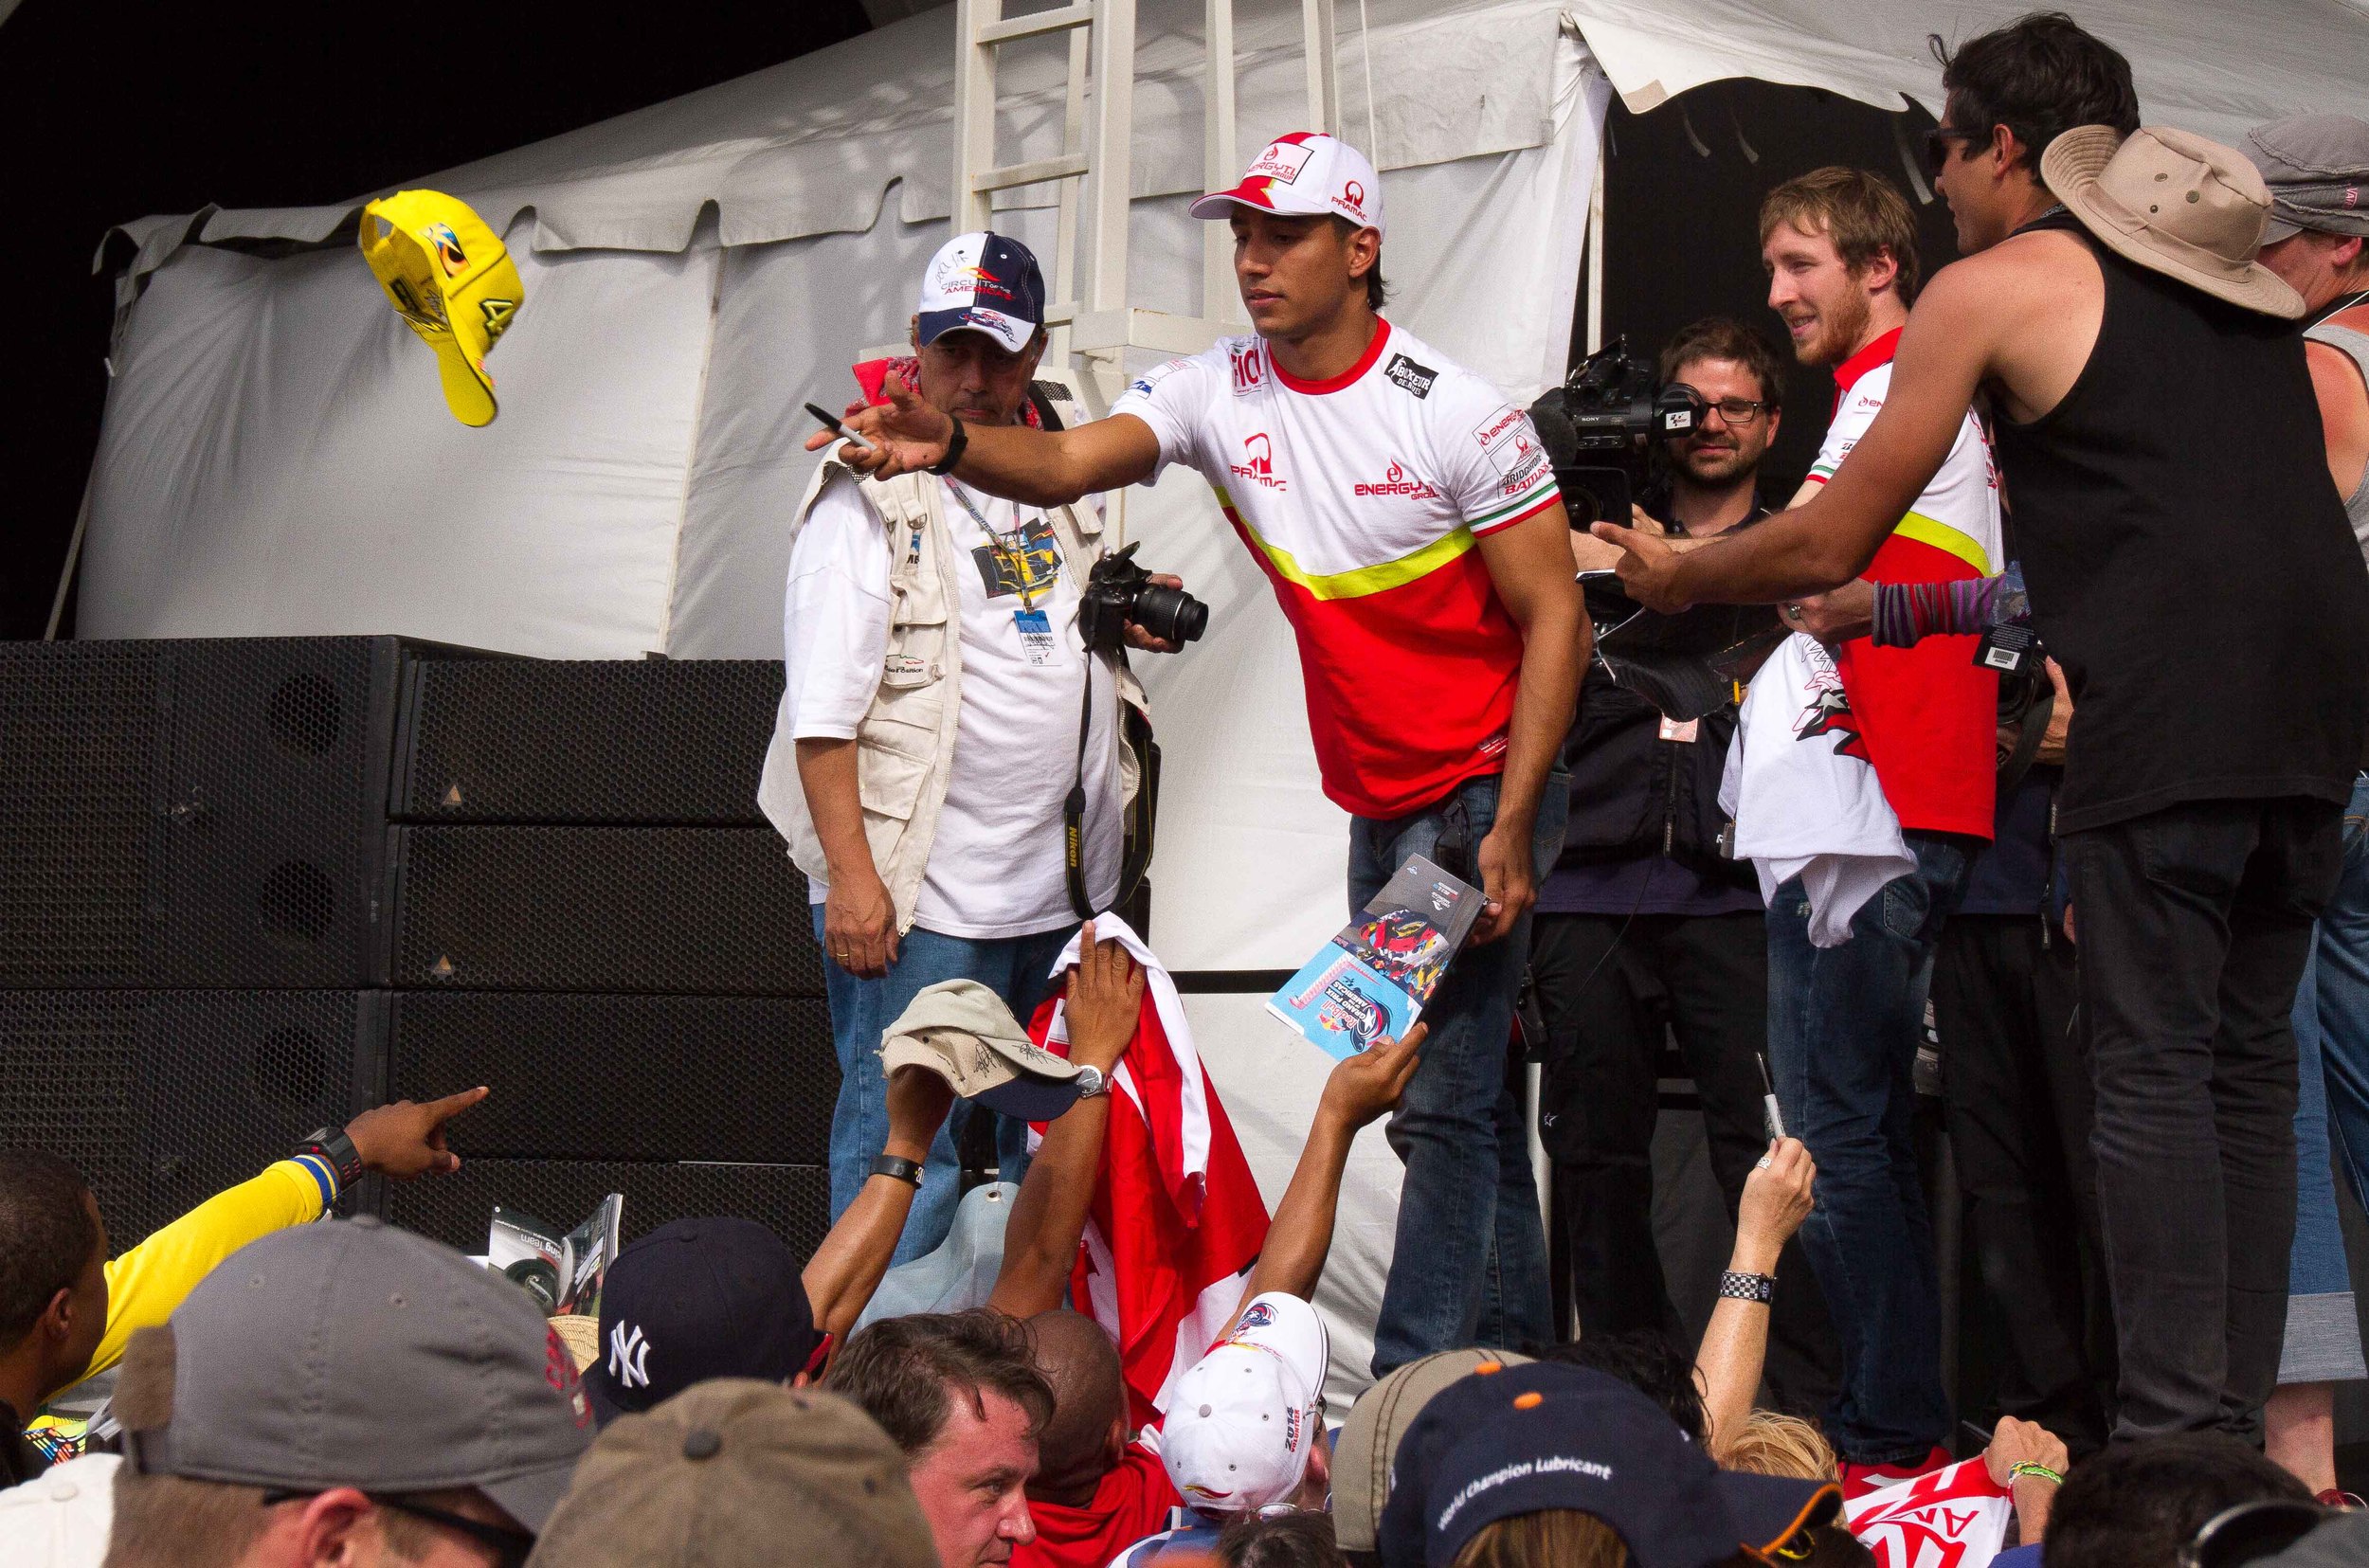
(275, 458)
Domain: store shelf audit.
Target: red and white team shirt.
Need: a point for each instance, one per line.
(1361, 498)
(1930, 713)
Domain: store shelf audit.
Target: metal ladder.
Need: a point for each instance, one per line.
(1089, 315)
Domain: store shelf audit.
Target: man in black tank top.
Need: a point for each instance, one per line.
(2191, 567)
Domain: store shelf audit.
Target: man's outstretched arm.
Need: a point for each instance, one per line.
(847, 1268)
(1106, 993)
(1035, 467)
(1360, 1089)
(1828, 540)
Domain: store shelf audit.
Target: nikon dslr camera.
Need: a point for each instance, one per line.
(1117, 591)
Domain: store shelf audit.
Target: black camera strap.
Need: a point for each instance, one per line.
(1074, 808)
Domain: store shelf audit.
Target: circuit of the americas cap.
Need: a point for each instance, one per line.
(1305, 172)
(983, 282)
(351, 1354)
(450, 276)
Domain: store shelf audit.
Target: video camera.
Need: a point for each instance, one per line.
(1600, 425)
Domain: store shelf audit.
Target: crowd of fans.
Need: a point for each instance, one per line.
(258, 1385)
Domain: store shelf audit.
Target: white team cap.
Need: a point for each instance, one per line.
(1306, 171)
(1242, 1418)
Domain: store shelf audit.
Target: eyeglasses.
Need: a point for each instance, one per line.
(2250, 1532)
(1937, 142)
(510, 1547)
(1738, 412)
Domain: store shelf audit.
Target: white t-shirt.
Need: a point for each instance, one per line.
(995, 866)
(1361, 497)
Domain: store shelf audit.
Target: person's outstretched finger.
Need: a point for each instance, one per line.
(440, 1111)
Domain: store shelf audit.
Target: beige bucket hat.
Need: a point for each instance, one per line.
(2174, 203)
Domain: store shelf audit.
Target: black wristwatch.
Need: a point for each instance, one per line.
(334, 1149)
(903, 1170)
(954, 445)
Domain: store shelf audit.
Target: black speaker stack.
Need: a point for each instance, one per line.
(251, 886)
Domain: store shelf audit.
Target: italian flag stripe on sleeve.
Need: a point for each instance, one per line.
(1537, 498)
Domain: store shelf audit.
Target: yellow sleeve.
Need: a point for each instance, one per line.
(146, 1283)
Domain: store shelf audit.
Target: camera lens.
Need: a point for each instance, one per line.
(1170, 614)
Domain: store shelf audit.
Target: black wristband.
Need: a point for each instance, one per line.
(954, 445)
(903, 1170)
(1744, 1287)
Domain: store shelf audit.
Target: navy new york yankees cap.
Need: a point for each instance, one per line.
(693, 1300)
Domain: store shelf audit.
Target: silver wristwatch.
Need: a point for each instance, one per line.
(1090, 1082)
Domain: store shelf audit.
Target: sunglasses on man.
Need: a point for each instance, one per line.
(1937, 142)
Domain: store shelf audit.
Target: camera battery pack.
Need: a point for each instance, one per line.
(2008, 649)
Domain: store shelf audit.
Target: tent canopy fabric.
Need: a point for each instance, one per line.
(2204, 66)
(812, 146)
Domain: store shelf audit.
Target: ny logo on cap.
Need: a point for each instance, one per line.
(628, 1357)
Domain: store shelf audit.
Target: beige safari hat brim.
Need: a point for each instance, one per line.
(2071, 168)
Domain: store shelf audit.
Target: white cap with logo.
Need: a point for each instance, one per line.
(1242, 1418)
(1305, 172)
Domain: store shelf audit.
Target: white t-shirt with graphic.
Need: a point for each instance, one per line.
(996, 866)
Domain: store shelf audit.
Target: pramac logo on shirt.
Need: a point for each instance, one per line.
(1258, 464)
(1396, 481)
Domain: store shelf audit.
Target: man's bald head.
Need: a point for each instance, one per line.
(1089, 1426)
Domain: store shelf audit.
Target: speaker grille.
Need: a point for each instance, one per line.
(164, 1098)
(81, 739)
(793, 1200)
(588, 741)
(634, 1077)
(714, 910)
(276, 797)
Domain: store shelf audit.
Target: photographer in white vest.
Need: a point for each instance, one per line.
(936, 716)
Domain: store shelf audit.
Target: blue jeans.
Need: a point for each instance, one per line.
(2338, 977)
(2331, 1022)
(1843, 1026)
(1470, 1260)
(1016, 968)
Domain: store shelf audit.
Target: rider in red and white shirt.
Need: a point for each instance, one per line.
(1364, 497)
(1409, 522)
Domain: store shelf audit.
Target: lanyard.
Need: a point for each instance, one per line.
(1015, 557)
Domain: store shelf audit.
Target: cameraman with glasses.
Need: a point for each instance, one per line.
(1644, 922)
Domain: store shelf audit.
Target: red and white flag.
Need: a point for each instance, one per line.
(1952, 1518)
(1176, 1221)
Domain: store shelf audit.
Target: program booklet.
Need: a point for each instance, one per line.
(562, 1273)
(1374, 978)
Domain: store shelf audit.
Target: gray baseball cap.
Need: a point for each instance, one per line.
(351, 1354)
(2317, 167)
(739, 1473)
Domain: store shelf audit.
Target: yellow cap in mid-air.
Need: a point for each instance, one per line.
(450, 276)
